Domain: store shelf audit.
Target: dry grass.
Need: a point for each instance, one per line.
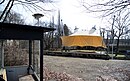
(90, 69)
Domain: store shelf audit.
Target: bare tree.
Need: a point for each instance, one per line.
(14, 17)
(49, 37)
(27, 4)
(15, 55)
(14, 51)
(66, 30)
(122, 22)
(48, 40)
(107, 7)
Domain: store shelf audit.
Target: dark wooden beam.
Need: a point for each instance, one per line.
(22, 32)
(30, 56)
(41, 60)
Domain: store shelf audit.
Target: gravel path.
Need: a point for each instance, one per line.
(90, 69)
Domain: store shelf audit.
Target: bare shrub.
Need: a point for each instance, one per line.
(14, 55)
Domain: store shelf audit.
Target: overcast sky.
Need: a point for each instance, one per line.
(72, 15)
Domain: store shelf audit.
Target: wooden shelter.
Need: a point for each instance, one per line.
(25, 32)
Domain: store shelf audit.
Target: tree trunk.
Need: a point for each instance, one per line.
(117, 46)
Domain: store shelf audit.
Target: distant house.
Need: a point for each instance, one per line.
(124, 44)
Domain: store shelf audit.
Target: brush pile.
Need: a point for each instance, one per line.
(57, 76)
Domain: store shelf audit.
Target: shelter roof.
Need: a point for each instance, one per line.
(22, 32)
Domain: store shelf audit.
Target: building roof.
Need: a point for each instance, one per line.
(84, 32)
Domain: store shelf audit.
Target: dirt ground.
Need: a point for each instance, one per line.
(90, 69)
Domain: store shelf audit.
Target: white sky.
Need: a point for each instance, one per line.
(71, 13)
(74, 15)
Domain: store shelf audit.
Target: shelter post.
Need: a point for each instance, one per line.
(2, 53)
(41, 59)
(30, 55)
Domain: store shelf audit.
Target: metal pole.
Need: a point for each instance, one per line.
(113, 35)
(38, 22)
(112, 51)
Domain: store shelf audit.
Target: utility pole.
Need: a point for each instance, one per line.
(59, 30)
(112, 31)
(53, 31)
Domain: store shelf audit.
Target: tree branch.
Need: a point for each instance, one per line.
(8, 11)
(5, 9)
(2, 1)
(108, 7)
